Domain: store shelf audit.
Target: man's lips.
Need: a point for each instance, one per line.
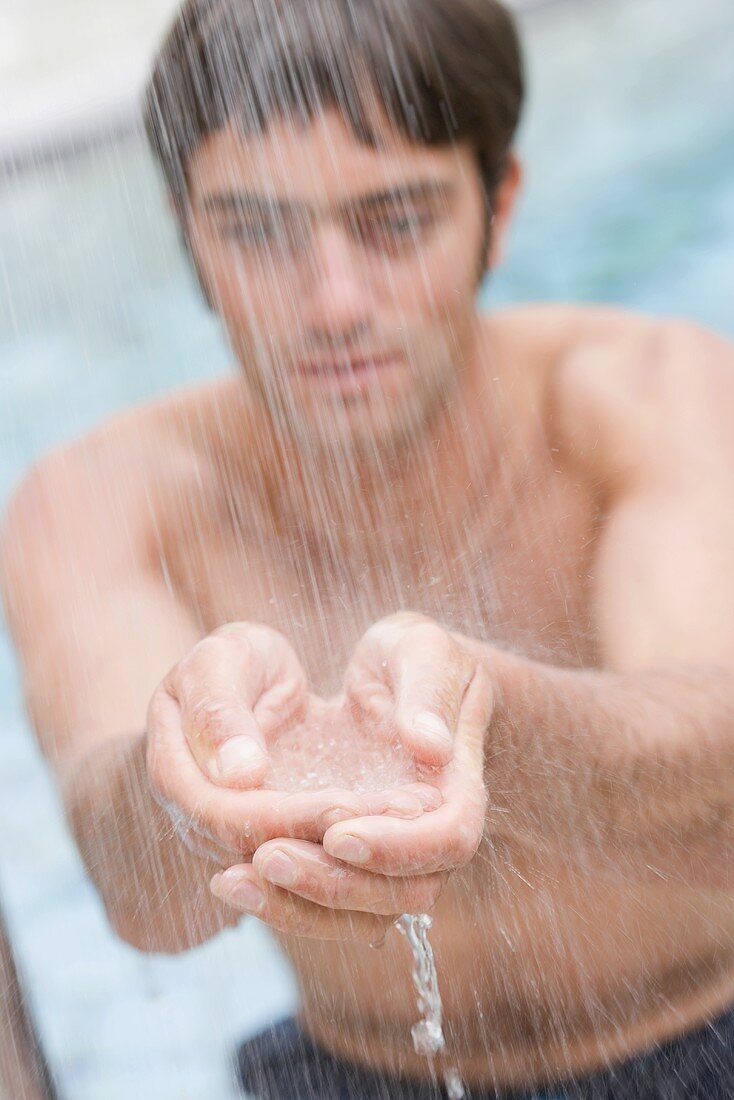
(344, 365)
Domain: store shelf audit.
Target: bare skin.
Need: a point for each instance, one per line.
(579, 864)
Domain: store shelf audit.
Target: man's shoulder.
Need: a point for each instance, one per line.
(627, 392)
(154, 437)
(129, 469)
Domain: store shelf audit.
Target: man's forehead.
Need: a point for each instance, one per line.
(318, 162)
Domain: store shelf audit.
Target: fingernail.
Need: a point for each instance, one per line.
(432, 729)
(241, 892)
(280, 869)
(240, 754)
(349, 848)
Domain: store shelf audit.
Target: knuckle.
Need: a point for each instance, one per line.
(200, 657)
(391, 628)
(251, 639)
(211, 721)
(406, 618)
(210, 654)
(466, 843)
(430, 635)
(240, 632)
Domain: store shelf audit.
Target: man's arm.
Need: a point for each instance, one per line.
(97, 627)
(633, 767)
(626, 771)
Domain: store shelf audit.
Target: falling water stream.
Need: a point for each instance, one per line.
(428, 1037)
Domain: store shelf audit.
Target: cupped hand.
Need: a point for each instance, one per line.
(236, 690)
(209, 726)
(432, 687)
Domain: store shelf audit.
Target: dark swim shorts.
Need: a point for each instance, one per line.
(282, 1063)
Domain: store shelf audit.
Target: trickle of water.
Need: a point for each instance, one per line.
(428, 1037)
(454, 1087)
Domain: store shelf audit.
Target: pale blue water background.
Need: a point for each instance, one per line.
(629, 142)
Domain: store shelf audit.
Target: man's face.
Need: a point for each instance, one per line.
(345, 275)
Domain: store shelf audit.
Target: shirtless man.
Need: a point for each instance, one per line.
(510, 536)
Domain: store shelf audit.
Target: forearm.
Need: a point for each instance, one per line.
(156, 892)
(632, 773)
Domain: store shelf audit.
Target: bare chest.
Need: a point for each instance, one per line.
(520, 576)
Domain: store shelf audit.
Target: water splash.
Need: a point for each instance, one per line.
(331, 750)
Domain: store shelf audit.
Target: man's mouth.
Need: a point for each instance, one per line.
(349, 376)
(344, 365)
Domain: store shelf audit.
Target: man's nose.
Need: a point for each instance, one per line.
(336, 297)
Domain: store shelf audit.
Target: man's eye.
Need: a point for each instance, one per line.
(250, 234)
(396, 229)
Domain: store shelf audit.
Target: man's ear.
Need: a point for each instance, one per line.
(505, 198)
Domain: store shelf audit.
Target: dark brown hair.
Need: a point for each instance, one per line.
(442, 70)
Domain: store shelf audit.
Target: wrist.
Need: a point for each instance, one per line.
(155, 891)
(90, 779)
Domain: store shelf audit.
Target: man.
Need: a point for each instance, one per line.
(507, 539)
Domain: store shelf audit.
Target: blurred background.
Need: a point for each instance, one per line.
(628, 142)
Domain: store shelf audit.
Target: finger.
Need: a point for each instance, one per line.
(216, 687)
(283, 695)
(445, 838)
(440, 840)
(241, 888)
(238, 688)
(368, 683)
(431, 674)
(306, 870)
(241, 820)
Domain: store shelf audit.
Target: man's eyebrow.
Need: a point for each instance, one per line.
(237, 201)
(250, 202)
(421, 189)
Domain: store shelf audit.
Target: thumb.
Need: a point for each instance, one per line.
(429, 696)
(226, 741)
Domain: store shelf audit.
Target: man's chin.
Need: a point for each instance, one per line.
(362, 435)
